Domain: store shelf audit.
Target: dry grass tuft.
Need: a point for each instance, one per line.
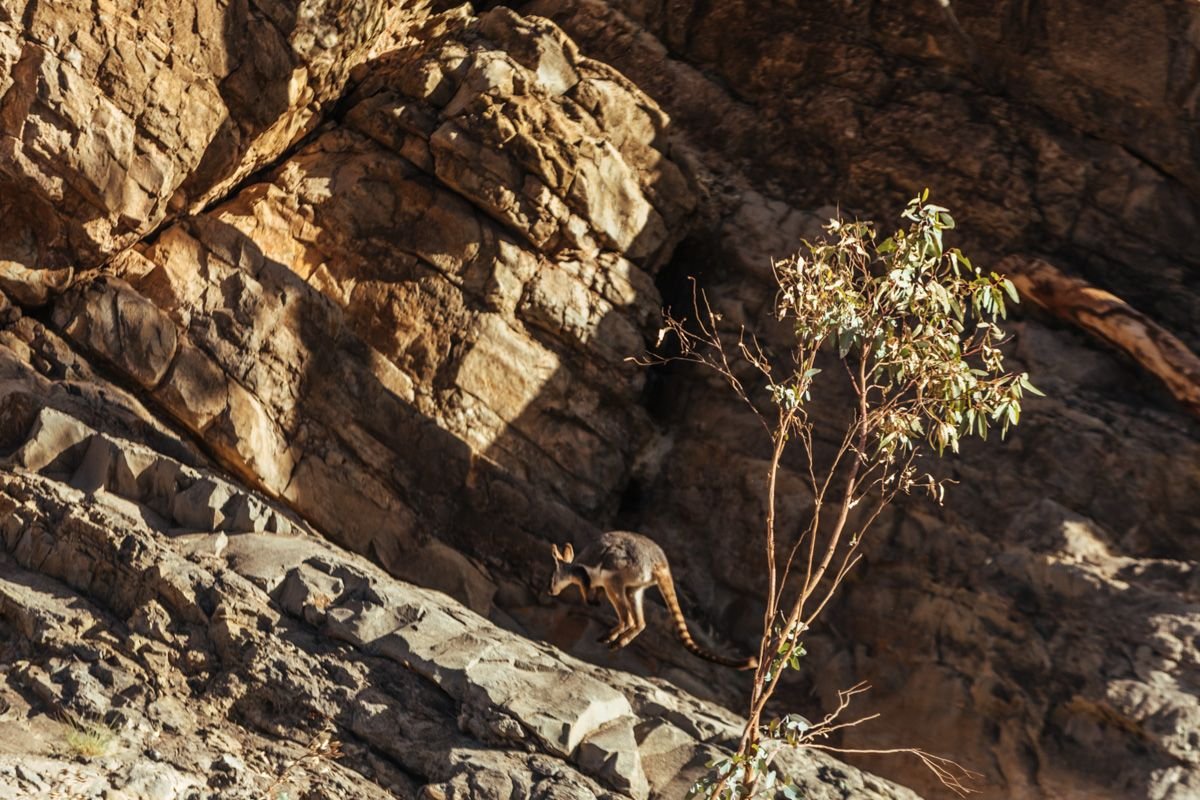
(89, 738)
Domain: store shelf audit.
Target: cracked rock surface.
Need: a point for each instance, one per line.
(315, 320)
(357, 323)
(216, 659)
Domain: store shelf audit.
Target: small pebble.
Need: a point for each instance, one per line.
(229, 763)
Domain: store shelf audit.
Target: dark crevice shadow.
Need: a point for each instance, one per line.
(482, 504)
(479, 503)
(255, 90)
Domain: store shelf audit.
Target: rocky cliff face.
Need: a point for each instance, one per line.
(1042, 624)
(252, 301)
(313, 307)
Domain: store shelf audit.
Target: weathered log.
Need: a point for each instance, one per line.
(1111, 319)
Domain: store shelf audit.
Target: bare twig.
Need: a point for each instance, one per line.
(322, 746)
(950, 773)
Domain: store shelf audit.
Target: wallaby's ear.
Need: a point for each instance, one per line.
(568, 553)
(554, 551)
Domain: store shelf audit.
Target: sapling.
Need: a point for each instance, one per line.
(911, 330)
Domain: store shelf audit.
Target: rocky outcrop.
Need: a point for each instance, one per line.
(277, 276)
(113, 119)
(1056, 128)
(210, 643)
(398, 345)
(981, 625)
(408, 333)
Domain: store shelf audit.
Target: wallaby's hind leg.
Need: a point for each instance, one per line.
(624, 616)
(633, 598)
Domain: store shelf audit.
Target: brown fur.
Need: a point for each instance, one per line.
(623, 565)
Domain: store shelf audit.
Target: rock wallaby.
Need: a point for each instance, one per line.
(623, 565)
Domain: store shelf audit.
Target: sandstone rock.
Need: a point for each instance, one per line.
(107, 317)
(610, 752)
(200, 506)
(112, 122)
(436, 565)
(668, 756)
(307, 592)
(284, 320)
(158, 782)
(201, 544)
(1087, 214)
(393, 663)
(246, 515)
(102, 466)
(408, 330)
(81, 693)
(266, 560)
(55, 438)
(229, 763)
(880, 100)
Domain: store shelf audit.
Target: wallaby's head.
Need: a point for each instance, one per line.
(563, 575)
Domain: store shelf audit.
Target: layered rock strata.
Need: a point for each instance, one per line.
(979, 624)
(408, 332)
(372, 272)
(212, 645)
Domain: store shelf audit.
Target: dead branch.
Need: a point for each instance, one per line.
(1113, 321)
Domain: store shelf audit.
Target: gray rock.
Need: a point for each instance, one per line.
(201, 505)
(95, 471)
(29, 776)
(670, 758)
(438, 566)
(475, 710)
(612, 754)
(266, 559)
(55, 442)
(246, 515)
(308, 593)
(201, 544)
(157, 781)
(151, 620)
(229, 763)
(82, 693)
(35, 679)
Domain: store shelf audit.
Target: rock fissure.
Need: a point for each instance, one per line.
(420, 245)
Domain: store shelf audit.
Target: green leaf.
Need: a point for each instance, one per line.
(844, 342)
(1012, 290)
(1029, 387)
(957, 308)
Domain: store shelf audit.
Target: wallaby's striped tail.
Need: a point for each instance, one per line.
(662, 574)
